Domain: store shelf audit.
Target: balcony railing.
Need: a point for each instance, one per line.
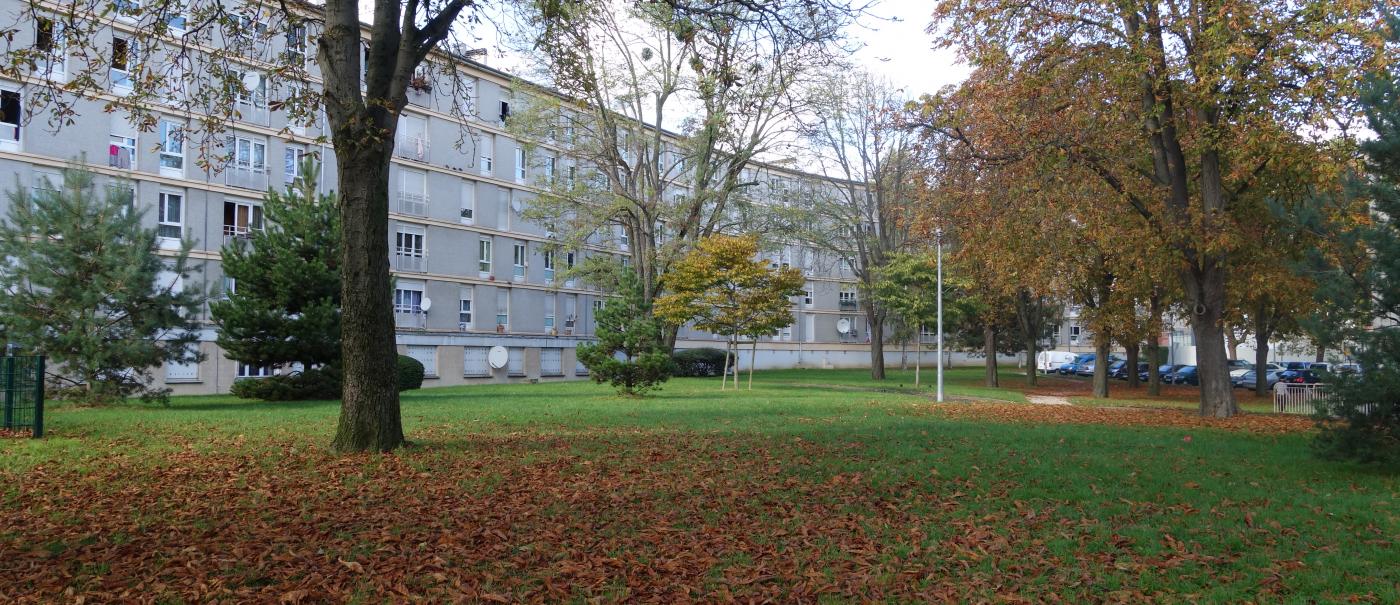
(410, 320)
(410, 261)
(413, 203)
(848, 304)
(235, 232)
(254, 112)
(247, 178)
(169, 231)
(413, 148)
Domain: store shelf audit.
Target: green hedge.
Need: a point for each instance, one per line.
(410, 373)
(699, 362)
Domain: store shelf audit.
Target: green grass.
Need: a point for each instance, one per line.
(816, 485)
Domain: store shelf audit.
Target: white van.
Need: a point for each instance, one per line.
(1049, 361)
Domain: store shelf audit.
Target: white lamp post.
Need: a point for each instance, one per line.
(938, 238)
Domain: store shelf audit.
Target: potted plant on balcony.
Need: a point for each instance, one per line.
(500, 328)
(421, 83)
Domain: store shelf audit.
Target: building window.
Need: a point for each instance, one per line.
(847, 297)
(474, 361)
(624, 240)
(11, 115)
(413, 192)
(241, 219)
(551, 362)
(45, 182)
(518, 258)
(483, 256)
(807, 296)
(426, 355)
(549, 301)
(296, 45)
(170, 215)
(519, 165)
(464, 309)
(172, 149)
(413, 138)
(549, 164)
(505, 111)
(292, 158)
(570, 175)
(229, 287)
(488, 153)
(409, 248)
(503, 210)
(548, 266)
(49, 41)
(1074, 334)
(468, 202)
(515, 361)
(408, 306)
(246, 370)
(502, 309)
(123, 62)
(181, 372)
(253, 92)
(121, 152)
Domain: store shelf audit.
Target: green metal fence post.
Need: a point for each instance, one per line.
(38, 397)
(9, 373)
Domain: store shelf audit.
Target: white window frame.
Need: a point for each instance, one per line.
(503, 310)
(292, 157)
(464, 308)
(55, 66)
(410, 248)
(404, 300)
(467, 212)
(488, 154)
(254, 215)
(172, 148)
(11, 127)
(165, 224)
(483, 256)
(520, 259)
(118, 143)
(121, 77)
(548, 259)
(413, 192)
(550, 311)
(520, 168)
(1075, 331)
(249, 371)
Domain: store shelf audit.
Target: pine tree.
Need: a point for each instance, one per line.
(626, 326)
(1369, 403)
(85, 287)
(284, 304)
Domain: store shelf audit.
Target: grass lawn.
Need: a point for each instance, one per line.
(815, 486)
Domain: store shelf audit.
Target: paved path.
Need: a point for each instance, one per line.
(1048, 400)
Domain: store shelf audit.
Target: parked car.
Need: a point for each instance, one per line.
(1120, 370)
(1073, 367)
(1162, 370)
(1347, 368)
(1087, 369)
(1238, 367)
(1295, 365)
(1250, 379)
(1320, 366)
(1050, 361)
(1298, 377)
(1183, 375)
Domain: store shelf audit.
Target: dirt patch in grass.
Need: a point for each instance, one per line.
(1124, 416)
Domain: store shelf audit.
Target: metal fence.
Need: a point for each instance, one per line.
(22, 382)
(1299, 398)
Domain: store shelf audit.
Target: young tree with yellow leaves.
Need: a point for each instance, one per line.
(721, 287)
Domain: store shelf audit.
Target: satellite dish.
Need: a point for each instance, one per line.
(515, 204)
(843, 326)
(498, 357)
(426, 304)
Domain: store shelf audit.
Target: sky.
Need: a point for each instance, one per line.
(891, 42)
(896, 47)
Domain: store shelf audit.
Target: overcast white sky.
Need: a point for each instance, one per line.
(893, 44)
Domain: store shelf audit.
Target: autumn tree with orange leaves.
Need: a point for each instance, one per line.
(1176, 109)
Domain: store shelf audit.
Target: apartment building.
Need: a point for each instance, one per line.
(470, 272)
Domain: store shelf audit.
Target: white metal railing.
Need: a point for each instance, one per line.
(410, 261)
(233, 232)
(246, 177)
(413, 148)
(1299, 398)
(413, 203)
(254, 112)
(120, 157)
(414, 320)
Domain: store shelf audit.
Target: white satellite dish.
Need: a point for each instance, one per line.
(843, 326)
(426, 304)
(497, 357)
(515, 204)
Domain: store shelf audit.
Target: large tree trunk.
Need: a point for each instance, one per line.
(1029, 315)
(989, 347)
(1130, 368)
(1101, 350)
(1261, 357)
(877, 346)
(1205, 295)
(1154, 374)
(1321, 354)
(369, 410)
